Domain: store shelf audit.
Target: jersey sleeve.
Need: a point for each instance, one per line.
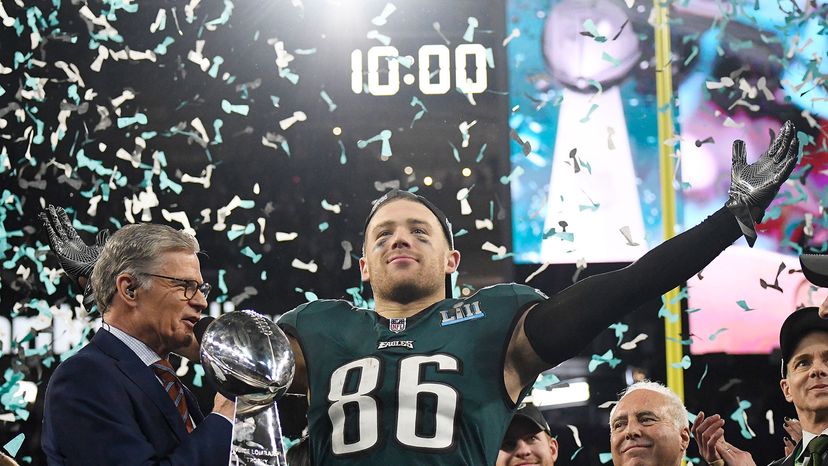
(526, 295)
(288, 321)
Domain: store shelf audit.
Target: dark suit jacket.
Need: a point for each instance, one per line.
(104, 406)
(789, 460)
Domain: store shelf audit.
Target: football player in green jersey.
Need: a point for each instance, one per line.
(426, 379)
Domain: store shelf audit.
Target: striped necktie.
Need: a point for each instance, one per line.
(816, 448)
(164, 370)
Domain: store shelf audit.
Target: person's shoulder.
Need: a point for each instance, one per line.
(89, 367)
(319, 307)
(508, 290)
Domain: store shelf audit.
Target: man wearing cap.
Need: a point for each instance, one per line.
(804, 344)
(528, 440)
(648, 427)
(815, 268)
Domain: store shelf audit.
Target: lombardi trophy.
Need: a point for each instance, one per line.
(247, 357)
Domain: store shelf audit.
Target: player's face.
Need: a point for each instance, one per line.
(643, 433)
(806, 385)
(406, 255)
(165, 317)
(524, 444)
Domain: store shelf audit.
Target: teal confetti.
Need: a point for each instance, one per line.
(221, 284)
(592, 208)
(217, 128)
(323, 226)
(164, 182)
(605, 457)
(241, 109)
(287, 443)
(606, 358)
(81, 227)
(289, 75)
(239, 230)
(620, 328)
(589, 26)
(563, 235)
(690, 416)
(744, 305)
(13, 445)
(545, 381)
(224, 17)
(217, 62)
(740, 416)
(343, 159)
(139, 118)
(481, 154)
(414, 103)
(684, 363)
(589, 113)
(252, 255)
(663, 312)
(716, 333)
(571, 458)
(515, 174)
(607, 57)
(385, 137)
(461, 232)
(328, 100)
(263, 275)
(455, 152)
(198, 374)
(686, 342)
(161, 49)
(704, 374)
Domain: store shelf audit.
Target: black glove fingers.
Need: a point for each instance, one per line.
(50, 232)
(103, 235)
(739, 155)
(786, 134)
(71, 233)
(54, 219)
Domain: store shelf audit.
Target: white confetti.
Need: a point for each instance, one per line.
(512, 35)
(180, 217)
(484, 224)
(310, 266)
(632, 344)
(288, 122)
(281, 236)
(497, 250)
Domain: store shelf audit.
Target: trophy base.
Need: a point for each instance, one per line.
(257, 436)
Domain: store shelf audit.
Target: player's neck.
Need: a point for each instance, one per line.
(394, 310)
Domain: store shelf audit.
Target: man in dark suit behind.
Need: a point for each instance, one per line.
(804, 343)
(117, 401)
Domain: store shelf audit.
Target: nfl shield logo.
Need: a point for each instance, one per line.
(396, 325)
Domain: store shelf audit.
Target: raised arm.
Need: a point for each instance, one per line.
(75, 257)
(560, 327)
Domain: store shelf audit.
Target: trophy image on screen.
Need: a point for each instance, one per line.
(247, 357)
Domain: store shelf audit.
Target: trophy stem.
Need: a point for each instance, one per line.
(257, 436)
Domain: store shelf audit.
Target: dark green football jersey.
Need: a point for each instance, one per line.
(424, 390)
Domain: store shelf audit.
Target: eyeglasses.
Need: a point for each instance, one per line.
(190, 286)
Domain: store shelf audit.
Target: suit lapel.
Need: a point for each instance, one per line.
(143, 377)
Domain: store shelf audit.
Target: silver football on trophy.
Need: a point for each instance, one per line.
(247, 355)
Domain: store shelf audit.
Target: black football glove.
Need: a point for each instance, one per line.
(76, 257)
(753, 187)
